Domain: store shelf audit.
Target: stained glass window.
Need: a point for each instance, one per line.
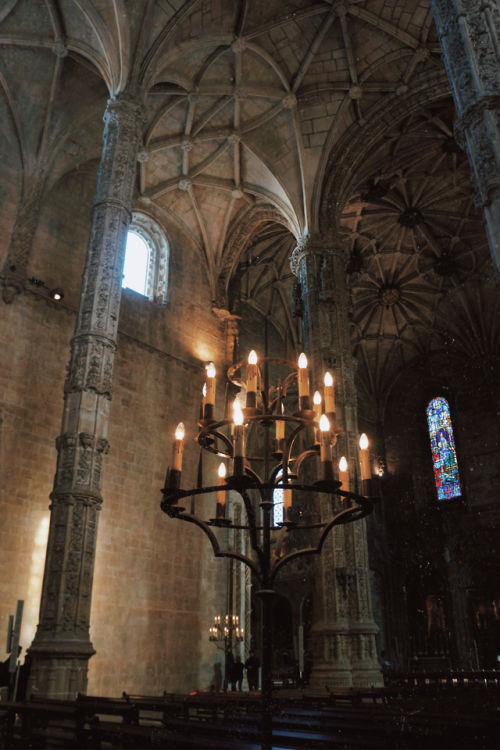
(444, 454)
(278, 500)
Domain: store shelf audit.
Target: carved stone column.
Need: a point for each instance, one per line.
(469, 32)
(15, 268)
(344, 630)
(61, 648)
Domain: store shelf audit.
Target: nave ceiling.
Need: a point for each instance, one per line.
(246, 102)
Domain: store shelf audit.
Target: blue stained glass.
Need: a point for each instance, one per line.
(444, 454)
(279, 507)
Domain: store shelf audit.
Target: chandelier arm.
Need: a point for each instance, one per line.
(346, 516)
(218, 552)
(300, 459)
(225, 439)
(252, 524)
(288, 448)
(275, 472)
(251, 473)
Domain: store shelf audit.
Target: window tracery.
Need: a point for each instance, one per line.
(146, 274)
(444, 454)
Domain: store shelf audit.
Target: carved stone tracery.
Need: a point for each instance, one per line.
(469, 33)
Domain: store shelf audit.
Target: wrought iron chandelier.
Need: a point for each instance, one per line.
(226, 628)
(280, 469)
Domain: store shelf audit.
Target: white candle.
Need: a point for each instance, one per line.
(325, 442)
(252, 372)
(221, 494)
(329, 394)
(178, 447)
(211, 372)
(344, 474)
(303, 376)
(364, 457)
(280, 426)
(239, 431)
(317, 404)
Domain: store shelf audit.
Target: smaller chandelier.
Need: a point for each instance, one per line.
(226, 628)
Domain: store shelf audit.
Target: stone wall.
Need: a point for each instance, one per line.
(156, 584)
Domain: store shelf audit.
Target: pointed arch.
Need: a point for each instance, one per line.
(444, 453)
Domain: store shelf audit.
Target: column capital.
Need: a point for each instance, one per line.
(328, 243)
(126, 108)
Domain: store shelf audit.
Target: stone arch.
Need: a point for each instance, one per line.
(351, 150)
(153, 235)
(239, 238)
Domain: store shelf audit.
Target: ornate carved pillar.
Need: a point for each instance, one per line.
(15, 268)
(469, 32)
(344, 630)
(61, 648)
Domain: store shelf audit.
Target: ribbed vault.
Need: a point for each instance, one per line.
(245, 100)
(420, 265)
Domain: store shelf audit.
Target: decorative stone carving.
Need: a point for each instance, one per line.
(61, 648)
(16, 264)
(239, 44)
(289, 101)
(187, 144)
(154, 237)
(469, 33)
(185, 185)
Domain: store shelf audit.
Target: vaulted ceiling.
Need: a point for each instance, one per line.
(244, 99)
(248, 103)
(420, 267)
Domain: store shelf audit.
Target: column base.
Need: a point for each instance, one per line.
(59, 669)
(330, 676)
(346, 658)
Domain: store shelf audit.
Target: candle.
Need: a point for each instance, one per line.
(317, 404)
(329, 394)
(280, 427)
(178, 447)
(221, 494)
(287, 502)
(364, 457)
(204, 399)
(252, 380)
(239, 439)
(210, 397)
(303, 379)
(325, 442)
(344, 474)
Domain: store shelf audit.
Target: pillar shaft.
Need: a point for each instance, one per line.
(344, 630)
(61, 648)
(15, 268)
(469, 32)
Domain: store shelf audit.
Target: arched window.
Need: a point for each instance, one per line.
(146, 259)
(135, 271)
(444, 453)
(279, 508)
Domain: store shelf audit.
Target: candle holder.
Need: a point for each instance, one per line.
(278, 470)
